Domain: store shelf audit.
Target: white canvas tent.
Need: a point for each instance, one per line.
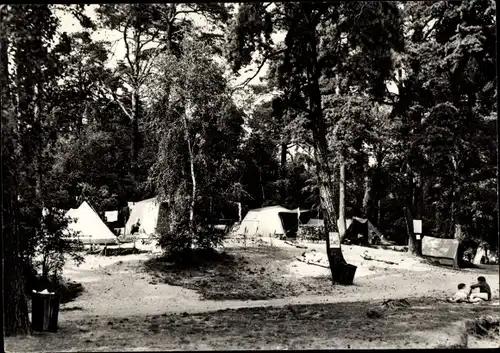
(445, 251)
(265, 221)
(91, 229)
(146, 211)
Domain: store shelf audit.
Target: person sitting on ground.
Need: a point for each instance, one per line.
(461, 295)
(484, 291)
(135, 227)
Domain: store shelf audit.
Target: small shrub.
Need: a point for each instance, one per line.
(179, 238)
(176, 239)
(68, 290)
(310, 233)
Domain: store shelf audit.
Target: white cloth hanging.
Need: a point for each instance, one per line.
(111, 216)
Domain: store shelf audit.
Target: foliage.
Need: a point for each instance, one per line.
(32, 66)
(54, 245)
(198, 129)
(446, 96)
(177, 239)
(310, 233)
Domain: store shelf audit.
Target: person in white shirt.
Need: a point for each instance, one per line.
(462, 295)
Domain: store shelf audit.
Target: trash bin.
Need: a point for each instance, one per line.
(44, 311)
(346, 274)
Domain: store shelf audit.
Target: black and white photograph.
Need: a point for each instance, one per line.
(249, 176)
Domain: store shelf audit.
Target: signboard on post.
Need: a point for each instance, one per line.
(417, 226)
(418, 236)
(334, 240)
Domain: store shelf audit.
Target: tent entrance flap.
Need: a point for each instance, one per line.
(290, 223)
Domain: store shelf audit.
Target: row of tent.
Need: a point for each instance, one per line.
(266, 221)
(277, 221)
(280, 221)
(92, 230)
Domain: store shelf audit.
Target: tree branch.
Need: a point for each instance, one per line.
(148, 65)
(137, 46)
(245, 83)
(438, 21)
(127, 48)
(151, 40)
(127, 113)
(115, 99)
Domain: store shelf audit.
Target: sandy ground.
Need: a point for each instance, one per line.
(124, 307)
(113, 283)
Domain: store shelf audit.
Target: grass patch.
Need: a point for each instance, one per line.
(296, 327)
(239, 274)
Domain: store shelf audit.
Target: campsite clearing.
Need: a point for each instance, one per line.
(127, 306)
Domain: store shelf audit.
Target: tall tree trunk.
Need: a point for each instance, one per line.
(379, 213)
(412, 241)
(320, 145)
(134, 150)
(452, 229)
(284, 149)
(368, 189)
(39, 136)
(16, 319)
(342, 225)
(459, 235)
(417, 196)
(15, 314)
(425, 190)
(261, 183)
(192, 202)
(282, 176)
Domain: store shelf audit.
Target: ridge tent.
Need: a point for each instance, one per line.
(358, 231)
(361, 231)
(148, 212)
(91, 229)
(272, 220)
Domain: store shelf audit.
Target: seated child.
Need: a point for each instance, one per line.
(484, 291)
(461, 295)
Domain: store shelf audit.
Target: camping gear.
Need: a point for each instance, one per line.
(444, 251)
(89, 226)
(44, 311)
(272, 221)
(366, 256)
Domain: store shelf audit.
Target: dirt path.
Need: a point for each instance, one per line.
(119, 287)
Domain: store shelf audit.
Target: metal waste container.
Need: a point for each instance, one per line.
(347, 272)
(44, 311)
